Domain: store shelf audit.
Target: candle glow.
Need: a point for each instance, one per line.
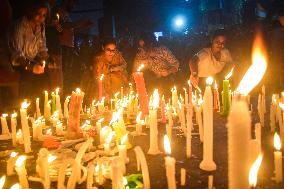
(25, 105)
(229, 75)
(102, 76)
(20, 161)
(140, 67)
(167, 145)
(277, 142)
(2, 181)
(209, 80)
(15, 186)
(256, 71)
(254, 171)
(124, 138)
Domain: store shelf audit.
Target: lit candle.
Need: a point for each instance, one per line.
(38, 114)
(107, 142)
(170, 164)
(22, 172)
(189, 92)
(141, 90)
(116, 174)
(16, 186)
(14, 128)
(154, 149)
(25, 127)
(169, 126)
(90, 177)
(272, 114)
(122, 150)
(5, 129)
(216, 97)
(99, 125)
(225, 95)
(105, 131)
(281, 126)
(188, 131)
(185, 97)
(37, 130)
(66, 102)
(58, 103)
(19, 137)
(198, 110)
(101, 87)
(45, 110)
(174, 97)
(163, 110)
(278, 159)
(208, 163)
(53, 102)
(59, 128)
(254, 171)
(11, 163)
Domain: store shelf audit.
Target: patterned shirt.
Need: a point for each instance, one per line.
(25, 42)
(158, 60)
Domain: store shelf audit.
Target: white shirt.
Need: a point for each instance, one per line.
(208, 65)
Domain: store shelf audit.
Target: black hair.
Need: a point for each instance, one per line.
(217, 33)
(149, 39)
(34, 6)
(108, 41)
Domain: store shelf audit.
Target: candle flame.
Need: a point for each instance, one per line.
(140, 67)
(4, 115)
(19, 133)
(215, 85)
(51, 158)
(25, 105)
(57, 15)
(254, 171)
(209, 80)
(277, 142)
(15, 186)
(2, 181)
(12, 155)
(101, 120)
(56, 91)
(20, 161)
(45, 92)
(43, 63)
(125, 182)
(109, 137)
(256, 71)
(78, 90)
(97, 168)
(281, 105)
(167, 145)
(124, 138)
(116, 94)
(156, 99)
(14, 115)
(229, 75)
(102, 76)
(115, 117)
(138, 117)
(48, 132)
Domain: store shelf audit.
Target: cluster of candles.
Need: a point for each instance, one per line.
(114, 136)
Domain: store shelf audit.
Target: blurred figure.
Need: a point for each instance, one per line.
(28, 50)
(111, 63)
(66, 38)
(160, 64)
(277, 56)
(213, 61)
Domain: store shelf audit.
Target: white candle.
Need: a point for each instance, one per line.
(58, 103)
(272, 114)
(174, 97)
(169, 126)
(107, 142)
(210, 182)
(22, 172)
(66, 102)
(14, 128)
(16, 186)
(25, 127)
(278, 159)
(138, 124)
(38, 114)
(45, 110)
(154, 149)
(208, 163)
(11, 163)
(198, 110)
(141, 162)
(90, 177)
(182, 116)
(99, 125)
(188, 131)
(37, 130)
(238, 149)
(122, 150)
(116, 174)
(170, 164)
(185, 97)
(5, 129)
(59, 128)
(182, 176)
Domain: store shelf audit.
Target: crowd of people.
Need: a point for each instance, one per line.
(38, 52)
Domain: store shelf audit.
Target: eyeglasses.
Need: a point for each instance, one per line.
(110, 50)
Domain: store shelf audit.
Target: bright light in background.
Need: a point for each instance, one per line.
(179, 22)
(158, 34)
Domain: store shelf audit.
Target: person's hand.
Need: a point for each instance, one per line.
(38, 69)
(194, 80)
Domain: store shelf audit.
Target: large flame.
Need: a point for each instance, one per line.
(277, 142)
(167, 145)
(254, 171)
(20, 161)
(256, 71)
(2, 181)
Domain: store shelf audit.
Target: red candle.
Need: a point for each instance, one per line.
(141, 90)
(216, 97)
(101, 87)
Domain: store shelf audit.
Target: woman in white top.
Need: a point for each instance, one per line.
(212, 61)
